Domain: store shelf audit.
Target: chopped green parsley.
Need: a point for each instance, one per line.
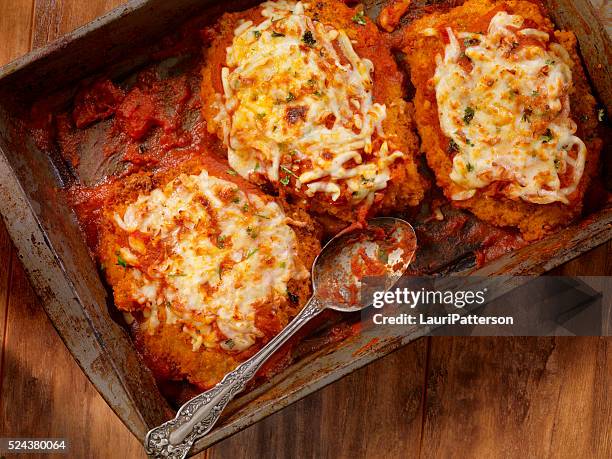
(382, 255)
(309, 39)
(221, 241)
(359, 18)
(288, 171)
(468, 115)
(251, 253)
(452, 146)
(120, 261)
(293, 297)
(251, 232)
(526, 114)
(548, 136)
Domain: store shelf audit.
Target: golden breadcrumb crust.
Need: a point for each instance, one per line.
(533, 220)
(406, 187)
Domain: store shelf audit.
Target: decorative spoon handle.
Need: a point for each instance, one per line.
(174, 438)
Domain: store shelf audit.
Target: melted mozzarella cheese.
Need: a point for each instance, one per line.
(298, 102)
(208, 254)
(507, 114)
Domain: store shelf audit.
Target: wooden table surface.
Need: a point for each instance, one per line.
(438, 397)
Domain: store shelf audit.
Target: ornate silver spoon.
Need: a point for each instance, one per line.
(384, 248)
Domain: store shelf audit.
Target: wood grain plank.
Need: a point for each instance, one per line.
(54, 18)
(45, 394)
(518, 397)
(6, 251)
(15, 28)
(597, 262)
(527, 397)
(374, 412)
(15, 33)
(584, 399)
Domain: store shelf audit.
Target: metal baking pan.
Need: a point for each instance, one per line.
(52, 249)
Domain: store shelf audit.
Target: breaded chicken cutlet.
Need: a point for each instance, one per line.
(307, 98)
(205, 267)
(505, 113)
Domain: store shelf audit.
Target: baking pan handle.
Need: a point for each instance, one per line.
(174, 438)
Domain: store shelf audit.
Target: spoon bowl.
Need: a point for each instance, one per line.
(384, 247)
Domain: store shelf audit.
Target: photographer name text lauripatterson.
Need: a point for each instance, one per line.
(448, 319)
